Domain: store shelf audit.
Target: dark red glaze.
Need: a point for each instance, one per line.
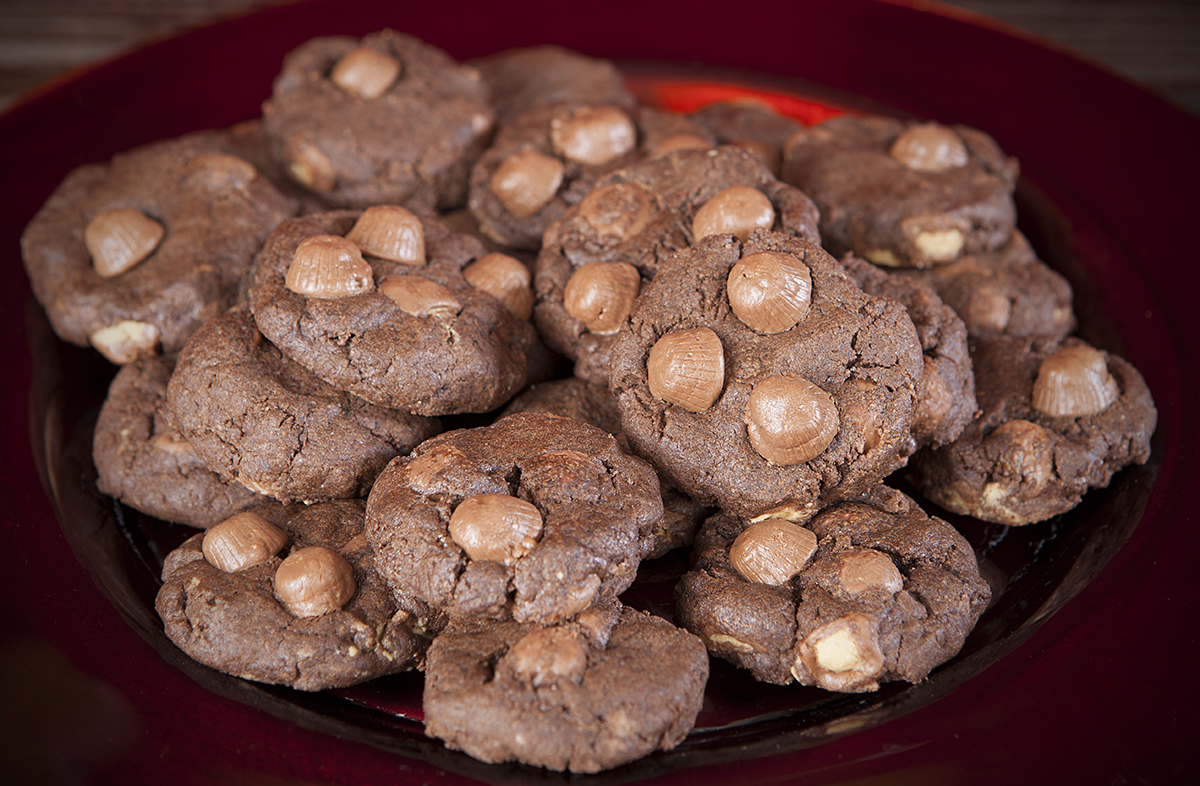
(1078, 676)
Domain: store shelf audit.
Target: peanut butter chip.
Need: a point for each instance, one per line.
(390, 232)
(504, 278)
(770, 291)
(790, 420)
(309, 165)
(365, 72)
(930, 147)
(242, 541)
(419, 296)
(687, 368)
(313, 581)
(1074, 382)
(126, 341)
(121, 238)
(866, 569)
(772, 551)
(601, 294)
(737, 211)
(496, 527)
(593, 135)
(328, 266)
(526, 181)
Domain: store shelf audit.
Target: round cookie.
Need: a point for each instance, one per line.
(866, 592)
(259, 419)
(543, 161)
(1008, 291)
(583, 696)
(766, 423)
(247, 622)
(590, 403)
(452, 349)
(634, 219)
(385, 119)
(131, 256)
(947, 401)
(143, 460)
(1057, 420)
(943, 192)
(750, 124)
(535, 517)
(522, 78)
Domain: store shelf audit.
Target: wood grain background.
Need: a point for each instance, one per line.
(1155, 44)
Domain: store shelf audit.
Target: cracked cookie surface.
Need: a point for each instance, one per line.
(597, 691)
(886, 593)
(471, 358)
(214, 211)
(860, 353)
(638, 217)
(143, 460)
(1020, 462)
(589, 516)
(235, 622)
(258, 418)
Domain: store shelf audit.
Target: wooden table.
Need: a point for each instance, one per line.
(1155, 44)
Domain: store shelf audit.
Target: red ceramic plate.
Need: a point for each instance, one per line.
(1077, 672)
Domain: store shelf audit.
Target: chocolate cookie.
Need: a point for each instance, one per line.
(288, 595)
(607, 687)
(143, 460)
(523, 78)
(535, 517)
(752, 125)
(257, 418)
(131, 256)
(760, 379)
(867, 592)
(595, 261)
(402, 326)
(1057, 420)
(591, 403)
(1008, 291)
(543, 161)
(902, 193)
(947, 400)
(385, 119)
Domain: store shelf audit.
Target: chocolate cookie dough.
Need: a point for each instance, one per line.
(396, 322)
(288, 595)
(591, 403)
(261, 420)
(1008, 291)
(143, 460)
(902, 193)
(535, 517)
(792, 391)
(131, 256)
(868, 591)
(1057, 420)
(947, 400)
(594, 262)
(609, 686)
(383, 119)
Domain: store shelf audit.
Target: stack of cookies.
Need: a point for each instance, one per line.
(435, 354)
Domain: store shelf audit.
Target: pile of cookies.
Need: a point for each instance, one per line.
(434, 354)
